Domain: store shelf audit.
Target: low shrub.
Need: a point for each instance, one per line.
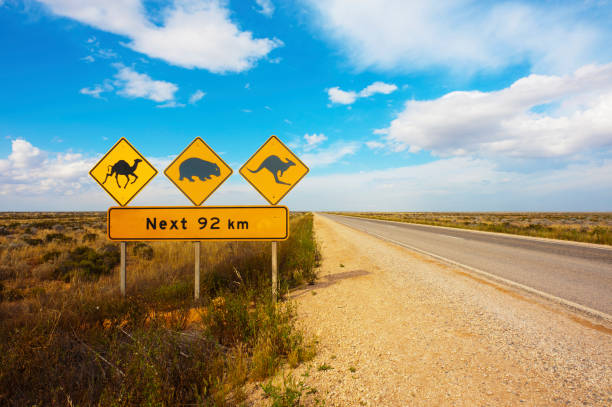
(88, 264)
(59, 237)
(90, 237)
(32, 242)
(143, 250)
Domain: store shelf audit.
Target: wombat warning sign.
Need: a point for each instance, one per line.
(198, 171)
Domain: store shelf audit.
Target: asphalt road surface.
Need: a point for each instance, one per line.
(578, 273)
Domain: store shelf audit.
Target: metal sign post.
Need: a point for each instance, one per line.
(122, 283)
(273, 171)
(197, 172)
(123, 181)
(196, 290)
(274, 272)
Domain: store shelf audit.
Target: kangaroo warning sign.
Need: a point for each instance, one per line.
(123, 172)
(198, 171)
(273, 170)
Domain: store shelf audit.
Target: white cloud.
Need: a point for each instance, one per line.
(377, 87)
(88, 59)
(313, 141)
(190, 33)
(138, 85)
(331, 155)
(24, 155)
(375, 145)
(33, 179)
(196, 96)
(94, 92)
(463, 35)
(459, 184)
(537, 116)
(170, 104)
(337, 95)
(29, 170)
(266, 7)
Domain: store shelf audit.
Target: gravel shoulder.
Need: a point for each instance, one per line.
(397, 328)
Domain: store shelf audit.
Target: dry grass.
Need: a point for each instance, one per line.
(580, 227)
(68, 338)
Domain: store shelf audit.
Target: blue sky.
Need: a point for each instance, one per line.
(394, 105)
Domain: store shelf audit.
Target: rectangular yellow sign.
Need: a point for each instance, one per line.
(267, 223)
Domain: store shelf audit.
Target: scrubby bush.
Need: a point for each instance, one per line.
(32, 242)
(88, 264)
(90, 237)
(51, 256)
(60, 237)
(143, 250)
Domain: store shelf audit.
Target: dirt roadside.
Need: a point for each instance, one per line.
(396, 328)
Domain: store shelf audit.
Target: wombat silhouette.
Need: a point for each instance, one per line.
(196, 167)
(275, 165)
(122, 168)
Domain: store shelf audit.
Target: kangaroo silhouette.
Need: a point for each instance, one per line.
(275, 165)
(122, 168)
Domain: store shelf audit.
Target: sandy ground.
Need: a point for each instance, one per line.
(396, 328)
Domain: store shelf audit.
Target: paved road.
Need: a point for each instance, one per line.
(578, 273)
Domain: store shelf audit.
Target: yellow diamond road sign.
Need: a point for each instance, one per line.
(123, 172)
(273, 170)
(198, 171)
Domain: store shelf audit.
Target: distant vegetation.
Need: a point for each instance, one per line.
(68, 338)
(579, 227)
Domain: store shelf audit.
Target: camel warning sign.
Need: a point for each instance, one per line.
(198, 171)
(123, 172)
(273, 170)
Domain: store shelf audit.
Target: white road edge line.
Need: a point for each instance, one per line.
(489, 276)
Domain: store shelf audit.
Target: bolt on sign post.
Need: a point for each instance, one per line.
(273, 171)
(197, 172)
(123, 172)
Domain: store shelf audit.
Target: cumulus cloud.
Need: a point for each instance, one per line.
(537, 116)
(189, 33)
(129, 83)
(139, 85)
(30, 170)
(377, 87)
(462, 34)
(93, 92)
(196, 96)
(459, 183)
(266, 7)
(29, 173)
(339, 96)
(313, 141)
(328, 156)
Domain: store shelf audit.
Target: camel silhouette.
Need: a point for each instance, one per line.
(122, 168)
